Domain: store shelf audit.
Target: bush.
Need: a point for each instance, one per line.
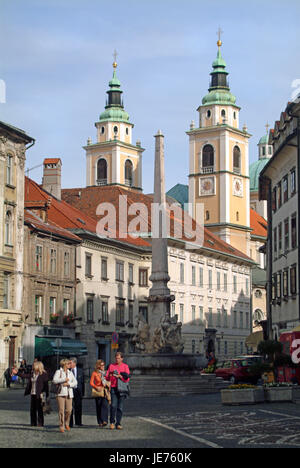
(269, 349)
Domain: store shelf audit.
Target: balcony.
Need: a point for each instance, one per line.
(207, 170)
(101, 182)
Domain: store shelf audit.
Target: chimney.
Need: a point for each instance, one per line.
(52, 177)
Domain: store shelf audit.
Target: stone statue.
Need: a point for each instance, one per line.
(170, 335)
(142, 337)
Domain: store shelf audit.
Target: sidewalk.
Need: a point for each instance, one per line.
(198, 421)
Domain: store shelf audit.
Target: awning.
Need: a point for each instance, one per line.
(253, 340)
(62, 346)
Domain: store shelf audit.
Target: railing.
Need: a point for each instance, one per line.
(102, 182)
(207, 170)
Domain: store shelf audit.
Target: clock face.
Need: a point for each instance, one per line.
(207, 186)
(238, 187)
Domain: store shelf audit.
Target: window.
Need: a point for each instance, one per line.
(223, 113)
(201, 313)
(143, 277)
(278, 286)
(236, 160)
(234, 319)
(6, 289)
(210, 317)
(9, 169)
(237, 216)
(181, 307)
(104, 313)
(120, 313)
(293, 182)
(52, 305)
(38, 308)
(182, 273)
(130, 273)
(53, 261)
(225, 281)
(143, 310)
(247, 320)
(293, 280)
(90, 310)
(224, 313)
(274, 199)
(285, 283)
(286, 234)
(173, 309)
(104, 268)
(234, 284)
(241, 320)
(208, 158)
(279, 195)
(39, 258)
(115, 130)
(279, 238)
(102, 172)
(67, 264)
(219, 318)
(274, 287)
(208, 114)
(247, 286)
(209, 279)
(66, 307)
(294, 231)
(275, 241)
(119, 271)
(285, 187)
(193, 275)
(218, 281)
(8, 228)
(130, 313)
(128, 173)
(88, 265)
(193, 313)
(201, 277)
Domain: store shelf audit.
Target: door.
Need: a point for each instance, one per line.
(12, 350)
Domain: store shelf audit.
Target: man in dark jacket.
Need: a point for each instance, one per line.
(78, 394)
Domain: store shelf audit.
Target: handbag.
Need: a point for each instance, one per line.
(96, 394)
(123, 387)
(56, 388)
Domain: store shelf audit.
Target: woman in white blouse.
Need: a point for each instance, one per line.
(65, 381)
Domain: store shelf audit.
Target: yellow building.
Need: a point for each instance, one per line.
(219, 163)
(113, 159)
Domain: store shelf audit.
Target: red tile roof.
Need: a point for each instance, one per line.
(36, 223)
(52, 161)
(258, 224)
(89, 198)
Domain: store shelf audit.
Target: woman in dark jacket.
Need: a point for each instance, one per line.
(36, 386)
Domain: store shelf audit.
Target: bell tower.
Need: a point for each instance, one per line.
(113, 159)
(219, 161)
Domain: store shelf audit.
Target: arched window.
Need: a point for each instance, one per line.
(128, 173)
(207, 159)
(236, 160)
(102, 172)
(8, 228)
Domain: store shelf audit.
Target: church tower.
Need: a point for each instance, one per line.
(219, 162)
(113, 159)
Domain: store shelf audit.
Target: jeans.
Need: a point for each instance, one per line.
(116, 408)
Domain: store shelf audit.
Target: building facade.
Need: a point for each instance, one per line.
(13, 145)
(279, 185)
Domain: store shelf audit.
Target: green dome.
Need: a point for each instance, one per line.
(264, 140)
(219, 96)
(117, 114)
(254, 172)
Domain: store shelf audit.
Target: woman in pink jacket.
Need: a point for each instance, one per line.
(116, 371)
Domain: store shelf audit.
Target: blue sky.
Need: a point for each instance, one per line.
(56, 60)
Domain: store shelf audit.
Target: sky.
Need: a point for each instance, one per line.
(56, 61)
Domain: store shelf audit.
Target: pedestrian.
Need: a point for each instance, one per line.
(100, 385)
(65, 382)
(23, 370)
(7, 375)
(78, 392)
(117, 371)
(37, 385)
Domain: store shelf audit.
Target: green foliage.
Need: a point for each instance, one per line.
(269, 349)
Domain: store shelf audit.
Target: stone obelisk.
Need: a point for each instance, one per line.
(159, 295)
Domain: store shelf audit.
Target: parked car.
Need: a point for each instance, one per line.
(238, 369)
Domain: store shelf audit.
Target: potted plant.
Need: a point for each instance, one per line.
(242, 394)
(53, 318)
(38, 320)
(278, 391)
(68, 319)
